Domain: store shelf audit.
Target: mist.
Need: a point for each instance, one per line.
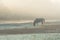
(29, 9)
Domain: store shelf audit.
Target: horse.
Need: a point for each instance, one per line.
(38, 20)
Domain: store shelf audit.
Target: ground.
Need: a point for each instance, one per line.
(41, 29)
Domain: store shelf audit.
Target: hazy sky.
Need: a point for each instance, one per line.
(29, 9)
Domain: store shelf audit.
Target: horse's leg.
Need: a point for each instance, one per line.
(42, 22)
(34, 24)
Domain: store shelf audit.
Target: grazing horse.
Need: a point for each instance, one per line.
(38, 20)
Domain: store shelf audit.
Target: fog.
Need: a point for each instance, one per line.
(29, 9)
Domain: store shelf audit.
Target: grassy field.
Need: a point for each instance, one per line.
(41, 36)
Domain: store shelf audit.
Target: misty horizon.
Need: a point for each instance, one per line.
(29, 9)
